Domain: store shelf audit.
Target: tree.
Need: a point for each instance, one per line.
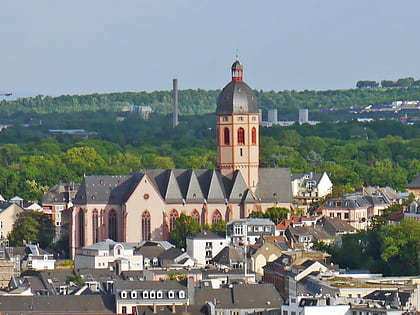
(367, 84)
(185, 226)
(401, 246)
(32, 227)
(256, 214)
(25, 230)
(276, 214)
(219, 226)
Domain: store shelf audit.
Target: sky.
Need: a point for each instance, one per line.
(102, 46)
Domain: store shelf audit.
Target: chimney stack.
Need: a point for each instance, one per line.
(175, 98)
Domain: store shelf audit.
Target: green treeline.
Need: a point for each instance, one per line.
(385, 153)
(199, 102)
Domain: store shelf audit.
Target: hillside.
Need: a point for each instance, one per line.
(198, 102)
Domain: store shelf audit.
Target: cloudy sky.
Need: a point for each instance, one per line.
(100, 46)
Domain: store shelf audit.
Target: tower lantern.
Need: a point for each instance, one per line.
(237, 72)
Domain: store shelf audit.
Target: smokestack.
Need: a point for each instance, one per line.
(175, 98)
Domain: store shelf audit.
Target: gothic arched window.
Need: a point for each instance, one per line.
(145, 226)
(241, 136)
(196, 216)
(172, 217)
(254, 136)
(226, 136)
(95, 226)
(112, 225)
(81, 220)
(217, 217)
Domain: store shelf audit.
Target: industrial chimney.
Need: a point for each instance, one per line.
(175, 98)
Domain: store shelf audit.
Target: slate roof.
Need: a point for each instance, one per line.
(335, 225)
(316, 232)
(229, 255)
(188, 185)
(389, 296)
(307, 177)
(207, 235)
(241, 296)
(274, 185)
(59, 194)
(252, 221)
(64, 304)
(149, 285)
(171, 253)
(345, 203)
(109, 244)
(98, 188)
(4, 205)
(415, 183)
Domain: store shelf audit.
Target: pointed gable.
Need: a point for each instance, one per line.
(173, 192)
(159, 178)
(239, 188)
(216, 191)
(194, 192)
(212, 185)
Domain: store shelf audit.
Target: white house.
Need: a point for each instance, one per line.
(110, 254)
(309, 188)
(205, 245)
(38, 259)
(247, 231)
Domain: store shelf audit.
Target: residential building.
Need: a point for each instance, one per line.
(240, 299)
(131, 296)
(58, 199)
(354, 209)
(266, 249)
(308, 188)
(9, 212)
(414, 186)
(205, 245)
(109, 254)
(33, 257)
(241, 232)
(413, 211)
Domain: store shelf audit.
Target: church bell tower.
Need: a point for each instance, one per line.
(238, 129)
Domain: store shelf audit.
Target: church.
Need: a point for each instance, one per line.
(145, 205)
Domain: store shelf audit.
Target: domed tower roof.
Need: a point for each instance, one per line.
(237, 97)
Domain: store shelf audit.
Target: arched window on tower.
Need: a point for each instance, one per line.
(112, 225)
(172, 217)
(145, 226)
(196, 216)
(217, 217)
(95, 226)
(226, 136)
(81, 219)
(254, 136)
(241, 136)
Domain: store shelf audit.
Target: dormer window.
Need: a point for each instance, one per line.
(310, 185)
(145, 294)
(123, 294)
(171, 294)
(181, 294)
(159, 294)
(152, 294)
(134, 294)
(147, 261)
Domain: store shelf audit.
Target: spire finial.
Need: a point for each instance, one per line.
(237, 53)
